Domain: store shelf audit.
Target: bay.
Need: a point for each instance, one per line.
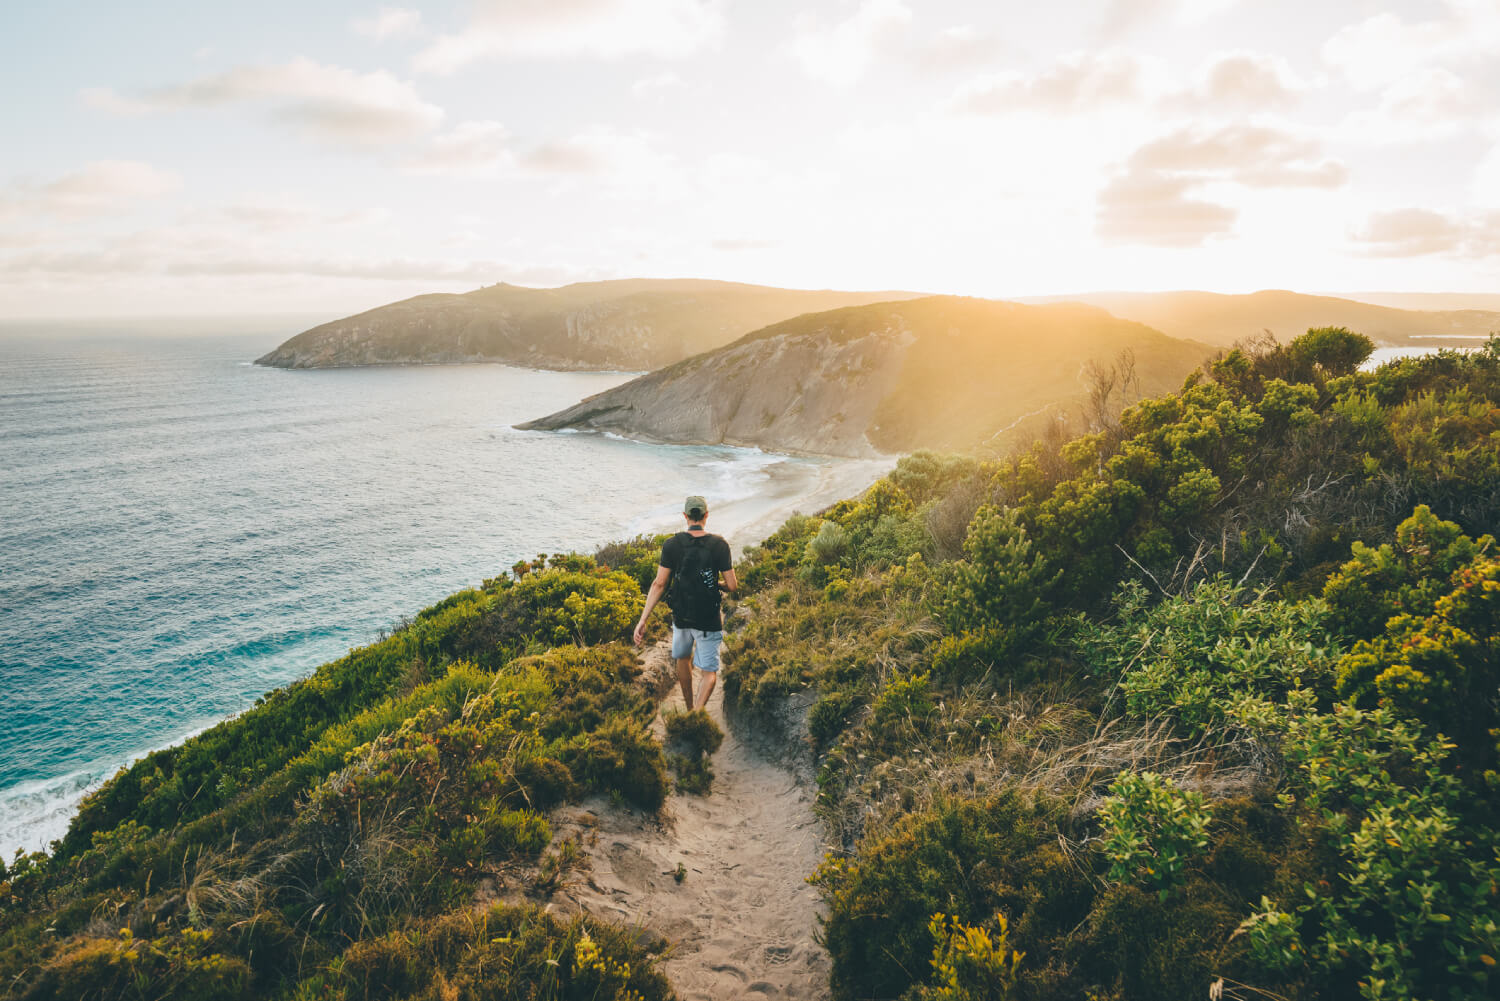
(181, 531)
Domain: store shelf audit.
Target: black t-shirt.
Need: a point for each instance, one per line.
(719, 558)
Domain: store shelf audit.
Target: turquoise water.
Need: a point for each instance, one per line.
(181, 531)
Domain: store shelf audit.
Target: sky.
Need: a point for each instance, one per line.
(204, 158)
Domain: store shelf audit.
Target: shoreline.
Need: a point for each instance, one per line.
(792, 484)
(830, 483)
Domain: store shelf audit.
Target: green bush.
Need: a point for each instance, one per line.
(1403, 577)
(179, 965)
(694, 731)
(830, 546)
(954, 859)
(507, 954)
(970, 962)
(1003, 584)
(1194, 657)
(1152, 829)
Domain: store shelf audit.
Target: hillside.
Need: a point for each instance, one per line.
(938, 372)
(1203, 704)
(1224, 319)
(634, 324)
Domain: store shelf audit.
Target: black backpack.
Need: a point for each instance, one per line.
(694, 597)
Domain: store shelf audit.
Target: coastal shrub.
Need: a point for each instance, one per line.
(555, 607)
(505, 953)
(1441, 669)
(692, 737)
(782, 550)
(1194, 656)
(1152, 829)
(179, 965)
(620, 756)
(830, 714)
(804, 641)
(1409, 909)
(1331, 350)
(694, 731)
(1405, 576)
(904, 700)
(970, 962)
(1003, 583)
(964, 858)
(829, 546)
(637, 557)
(926, 475)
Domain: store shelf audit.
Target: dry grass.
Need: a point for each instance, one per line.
(981, 743)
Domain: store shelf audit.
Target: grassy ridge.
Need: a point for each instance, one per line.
(328, 842)
(1204, 699)
(1208, 698)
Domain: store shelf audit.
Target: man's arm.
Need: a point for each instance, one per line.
(658, 588)
(731, 582)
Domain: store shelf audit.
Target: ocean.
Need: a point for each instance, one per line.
(182, 531)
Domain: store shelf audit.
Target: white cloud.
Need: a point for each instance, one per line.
(605, 28)
(1078, 82)
(655, 85)
(390, 22)
(1416, 232)
(619, 164)
(470, 148)
(1425, 106)
(959, 47)
(1485, 186)
(565, 156)
(1124, 16)
(1156, 199)
(840, 54)
(1384, 48)
(1242, 81)
(100, 188)
(1252, 155)
(738, 244)
(280, 214)
(1159, 210)
(330, 103)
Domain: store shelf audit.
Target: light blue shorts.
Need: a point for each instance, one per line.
(703, 645)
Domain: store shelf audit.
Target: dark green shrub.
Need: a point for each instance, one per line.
(638, 557)
(956, 859)
(830, 714)
(505, 954)
(695, 731)
(1003, 583)
(691, 738)
(182, 966)
(1152, 830)
(620, 756)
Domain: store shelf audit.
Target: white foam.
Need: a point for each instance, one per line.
(35, 814)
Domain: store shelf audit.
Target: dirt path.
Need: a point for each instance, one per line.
(742, 919)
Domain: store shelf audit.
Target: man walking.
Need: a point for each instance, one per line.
(691, 564)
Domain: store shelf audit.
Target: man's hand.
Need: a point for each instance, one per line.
(640, 632)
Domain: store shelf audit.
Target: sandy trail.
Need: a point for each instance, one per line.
(742, 920)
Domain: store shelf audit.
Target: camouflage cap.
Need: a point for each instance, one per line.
(695, 507)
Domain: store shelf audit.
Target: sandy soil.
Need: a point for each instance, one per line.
(742, 919)
(747, 522)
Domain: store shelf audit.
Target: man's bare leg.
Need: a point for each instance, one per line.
(685, 679)
(706, 688)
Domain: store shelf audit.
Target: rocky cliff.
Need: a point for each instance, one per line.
(637, 324)
(937, 372)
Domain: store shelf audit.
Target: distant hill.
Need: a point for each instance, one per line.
(938, 372)
(1223, 319)
(631, 324)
